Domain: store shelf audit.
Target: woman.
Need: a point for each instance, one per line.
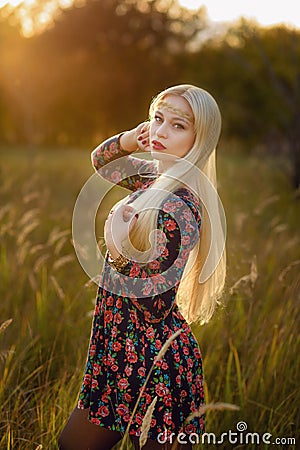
(164, 269)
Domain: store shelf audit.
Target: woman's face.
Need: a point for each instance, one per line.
(172, 132)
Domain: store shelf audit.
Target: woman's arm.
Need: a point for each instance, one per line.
(113, 161)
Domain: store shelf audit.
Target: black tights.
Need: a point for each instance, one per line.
(80, 434)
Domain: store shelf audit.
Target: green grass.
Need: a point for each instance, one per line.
(250, 348)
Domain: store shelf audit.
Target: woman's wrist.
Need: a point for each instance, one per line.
(128, 141)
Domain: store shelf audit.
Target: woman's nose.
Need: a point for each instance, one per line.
(162, 130)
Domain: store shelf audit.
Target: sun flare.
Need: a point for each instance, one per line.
(266, 14)
(34, 18)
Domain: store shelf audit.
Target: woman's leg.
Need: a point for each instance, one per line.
(80, 434)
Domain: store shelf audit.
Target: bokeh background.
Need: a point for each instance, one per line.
(75, 72)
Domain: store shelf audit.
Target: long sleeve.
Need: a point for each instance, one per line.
(152, 287)
(115, 164)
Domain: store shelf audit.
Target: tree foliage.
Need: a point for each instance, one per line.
(94, 71)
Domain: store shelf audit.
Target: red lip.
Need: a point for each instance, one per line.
(158, 145)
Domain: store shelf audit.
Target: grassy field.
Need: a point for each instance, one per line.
(250, 348)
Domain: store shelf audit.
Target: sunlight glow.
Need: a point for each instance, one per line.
(264, 12)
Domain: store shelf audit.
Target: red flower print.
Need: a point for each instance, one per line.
(169, 207)
(148, 399)
(135, 270)
(153, 265)
(184, 338)
(168, 400)
(178, 379)
(150, 333)
(139, 418)
(189, 228)
(142, 371)
(118, 318)
(113, 148)
(116, 176)
(153, 423)
(189, 377)
(183, 393)
(108, 315)
(127, 397)
(119, 303)
(114, 331)
(96, 369)
(87, 379)
(95, 421)
(93, 350)
(132, 358)
(199, 379)
(170, 225)
(106, 154)
(161, 237)
(174, 345)
(190, 363)
(164, 365)
(158, 344)
(114, 368)
(167, 418)
(177, 357)
(129, 347)
(179, 263)
(133, 316)
(94, 384)
(103, 411)
(161, 389)
(193, 406)
(197, 353)
(128, 371)
(190, 428)
(123, 383)
(116, 346)
(165, 253)
(110, 301)
(122, 409)
(186, 351)
(148, 288)
(187, 214)
(158, 278)
(185, 240)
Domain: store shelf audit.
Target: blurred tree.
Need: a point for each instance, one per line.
(255, 74)
(94, 71)
(9, 41)
(270, 59)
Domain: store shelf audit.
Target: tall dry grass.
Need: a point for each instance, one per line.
(250, 348)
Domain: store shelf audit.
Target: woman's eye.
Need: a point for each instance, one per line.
(178, 125)
(157, 118)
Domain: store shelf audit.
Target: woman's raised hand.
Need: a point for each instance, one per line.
(142, 133)
(137, 138)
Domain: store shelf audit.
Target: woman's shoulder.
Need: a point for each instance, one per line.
(191, 199)
(181, 199)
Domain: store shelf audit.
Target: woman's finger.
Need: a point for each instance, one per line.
(128, 213)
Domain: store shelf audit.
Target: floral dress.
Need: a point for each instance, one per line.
(129, 330)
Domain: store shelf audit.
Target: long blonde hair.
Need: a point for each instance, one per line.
(203, 279)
